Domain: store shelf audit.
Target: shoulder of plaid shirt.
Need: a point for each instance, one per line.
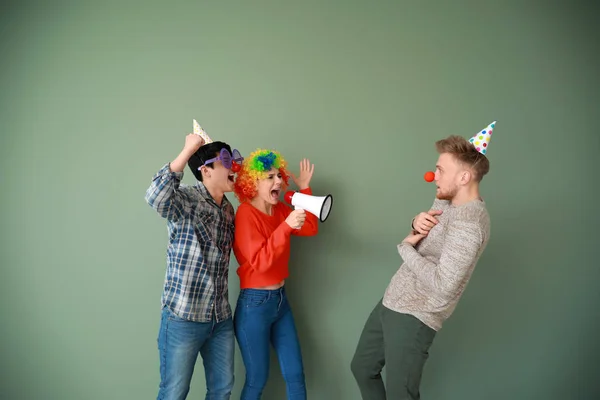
(200, 242)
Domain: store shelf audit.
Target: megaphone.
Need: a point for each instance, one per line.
(320, 206)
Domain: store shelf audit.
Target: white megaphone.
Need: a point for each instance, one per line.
(320, 206)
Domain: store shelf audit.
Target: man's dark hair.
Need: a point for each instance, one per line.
(204, 153)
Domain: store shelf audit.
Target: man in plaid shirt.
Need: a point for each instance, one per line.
(196, 314)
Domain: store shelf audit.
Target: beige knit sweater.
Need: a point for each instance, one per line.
(434, 274)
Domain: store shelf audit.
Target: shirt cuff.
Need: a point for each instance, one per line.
(166, 170)
(287, 229)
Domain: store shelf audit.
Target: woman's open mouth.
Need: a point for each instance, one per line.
(275, 193)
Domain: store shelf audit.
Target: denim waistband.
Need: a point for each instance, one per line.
(280, 291)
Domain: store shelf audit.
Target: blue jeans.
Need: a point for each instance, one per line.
(262, 318)
(180, 341)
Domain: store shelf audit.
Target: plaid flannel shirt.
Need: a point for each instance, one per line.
(200, 241)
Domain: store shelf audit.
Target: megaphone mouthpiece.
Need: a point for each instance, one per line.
(288, 196)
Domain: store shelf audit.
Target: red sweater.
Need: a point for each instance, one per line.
(262, 243)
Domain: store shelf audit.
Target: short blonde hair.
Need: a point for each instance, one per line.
(465, 153)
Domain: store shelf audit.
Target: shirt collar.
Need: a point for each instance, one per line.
(206, 195)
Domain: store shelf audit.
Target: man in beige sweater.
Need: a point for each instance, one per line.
(439, 255)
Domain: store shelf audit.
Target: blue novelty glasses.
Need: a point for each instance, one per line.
(226, 158)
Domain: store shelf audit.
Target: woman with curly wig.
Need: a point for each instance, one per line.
(263, 228)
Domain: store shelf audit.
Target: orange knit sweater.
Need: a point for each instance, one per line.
(262, 243)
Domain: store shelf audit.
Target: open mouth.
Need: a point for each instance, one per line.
(230, 177)
(275, 193)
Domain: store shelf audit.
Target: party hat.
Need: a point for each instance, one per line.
(199, 131)
(481, 140)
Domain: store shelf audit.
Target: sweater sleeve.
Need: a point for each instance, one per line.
(459, 253)
(259, 250)
(311, 223)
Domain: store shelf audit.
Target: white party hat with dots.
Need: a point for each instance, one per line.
(199, 131)
(481, 140)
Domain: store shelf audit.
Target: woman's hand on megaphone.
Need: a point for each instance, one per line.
(306, 173)
(296, 219)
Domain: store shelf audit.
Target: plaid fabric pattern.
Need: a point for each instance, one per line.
(200, 241)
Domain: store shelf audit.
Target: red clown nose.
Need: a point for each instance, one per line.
(429, 176)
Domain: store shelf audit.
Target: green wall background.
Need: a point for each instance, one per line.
(97, 96)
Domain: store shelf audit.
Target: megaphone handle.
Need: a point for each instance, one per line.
(297, 208)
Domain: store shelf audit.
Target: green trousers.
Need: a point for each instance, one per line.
(400, 342)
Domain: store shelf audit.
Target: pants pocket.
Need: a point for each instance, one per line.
(424, 339)
(251, 300)
(172, 317)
